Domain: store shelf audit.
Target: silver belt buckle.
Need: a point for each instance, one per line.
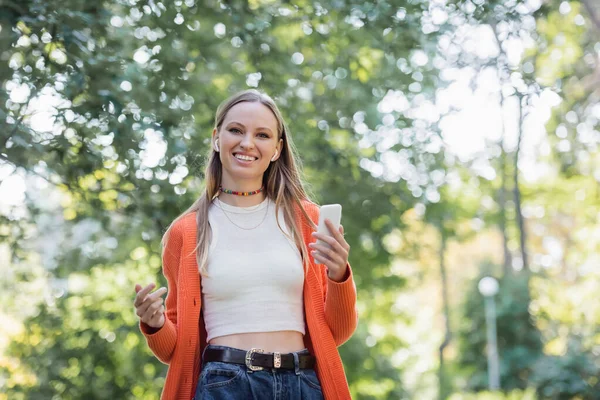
(249, 354)
(276, 359)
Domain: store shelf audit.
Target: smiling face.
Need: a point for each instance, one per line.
(247, 139)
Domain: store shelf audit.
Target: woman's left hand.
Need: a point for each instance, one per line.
(334, 258)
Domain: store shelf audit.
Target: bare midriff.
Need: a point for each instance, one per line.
(281, 341)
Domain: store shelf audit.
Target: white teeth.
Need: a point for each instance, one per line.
(242, 157)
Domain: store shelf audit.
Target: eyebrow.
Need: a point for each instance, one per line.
(244, 126)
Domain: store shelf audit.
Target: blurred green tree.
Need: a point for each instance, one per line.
(519, 341)
(120, 81)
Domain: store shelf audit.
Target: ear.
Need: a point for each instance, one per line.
(215, 139)
(277, 151)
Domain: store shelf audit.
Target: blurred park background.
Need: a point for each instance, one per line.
(461, 138)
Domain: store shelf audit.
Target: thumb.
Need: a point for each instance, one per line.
(138, 287)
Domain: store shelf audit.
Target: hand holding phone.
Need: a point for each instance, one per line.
(332, 212)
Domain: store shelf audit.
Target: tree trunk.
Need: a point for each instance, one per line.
(443, 389)
(502, 195)
(501, 67)
(517, 191)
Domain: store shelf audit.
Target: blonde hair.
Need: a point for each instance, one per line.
(282, 181)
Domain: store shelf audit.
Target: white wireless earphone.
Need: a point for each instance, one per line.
(275, 155)
(217, 145)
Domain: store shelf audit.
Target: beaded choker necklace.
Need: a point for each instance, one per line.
(235, 193)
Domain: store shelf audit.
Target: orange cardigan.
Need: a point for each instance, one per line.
(329, 310)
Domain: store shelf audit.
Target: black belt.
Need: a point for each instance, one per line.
(256, 359)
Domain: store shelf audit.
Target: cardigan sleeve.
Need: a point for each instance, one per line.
(340, 306)
(162, 341)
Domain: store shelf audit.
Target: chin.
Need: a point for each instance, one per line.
(245, 173)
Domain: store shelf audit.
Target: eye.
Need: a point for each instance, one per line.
(234, 130)
(264, 135)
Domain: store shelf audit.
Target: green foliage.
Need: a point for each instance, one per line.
(523, 363)
(519, 341)
(127, 72)
(572, 375)
(528, 394)
(566, 57)
(80, 338)
(121, 77)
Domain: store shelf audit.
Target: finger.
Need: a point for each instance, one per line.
(319, 258)
(154, 307)
(140, 297)
(151, 309)
(338, 234)
(325, 238)
(330, 227)
(138, 287)
(332, 252)
(158, 312)
(156, 318)
(151, 305)
(150, 299)
(158, 293)
(328, 263)
(153, 296)
(329, 254)
(143, 309)
(337, 237)
(162, 307)
(344, 236)
(333, 269)
(335, 245)
(334, 232)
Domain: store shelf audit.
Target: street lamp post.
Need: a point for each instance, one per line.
(488, 287)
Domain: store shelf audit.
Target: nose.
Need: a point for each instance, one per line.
(247, 142)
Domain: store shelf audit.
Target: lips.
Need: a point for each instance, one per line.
(244, 157)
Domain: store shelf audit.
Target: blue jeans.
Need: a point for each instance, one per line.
(226, 381)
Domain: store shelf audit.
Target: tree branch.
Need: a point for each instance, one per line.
(517, 190)
(446, 305)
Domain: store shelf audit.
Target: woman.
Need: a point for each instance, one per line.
(255, 308)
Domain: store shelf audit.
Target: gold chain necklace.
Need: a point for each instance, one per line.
(241, 227)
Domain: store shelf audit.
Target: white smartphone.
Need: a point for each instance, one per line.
(332, 212)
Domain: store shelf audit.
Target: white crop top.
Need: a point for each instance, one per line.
(255, 276)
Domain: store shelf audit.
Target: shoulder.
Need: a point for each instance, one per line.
(185, 226)
(311, 208)
(189, 218)
(309, 204)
